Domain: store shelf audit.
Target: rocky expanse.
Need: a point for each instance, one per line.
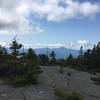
(49, 80)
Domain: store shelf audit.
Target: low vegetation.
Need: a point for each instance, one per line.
(87, 60)
(96, 79)
(18, 68)
(62, 95)
(69, 74)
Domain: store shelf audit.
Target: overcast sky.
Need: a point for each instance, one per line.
(50, 23)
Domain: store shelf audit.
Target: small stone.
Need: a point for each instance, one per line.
(3, 95)
(41, 92)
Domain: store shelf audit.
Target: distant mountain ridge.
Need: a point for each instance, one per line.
(60, 52)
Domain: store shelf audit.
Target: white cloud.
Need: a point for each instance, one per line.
(89, 9)
(59, 10)
(40, 45)
(85, 43)
(14, 18)
(71, 45)
(14, 14)
(82, 42)
(2, 43)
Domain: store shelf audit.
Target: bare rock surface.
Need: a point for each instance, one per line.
(49, 80)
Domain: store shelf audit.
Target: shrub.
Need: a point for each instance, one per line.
(62, 95)
(69, 74)
(18, 73)
(18, 67)
(61, 70)
(96, 79)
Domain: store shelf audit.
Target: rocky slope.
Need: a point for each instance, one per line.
(49, 80)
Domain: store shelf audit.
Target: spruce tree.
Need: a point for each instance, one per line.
(19, 69)
(70, 60)
(15, 47)
(53, 58)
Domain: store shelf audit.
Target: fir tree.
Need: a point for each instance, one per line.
(53, 58)
(15, 48)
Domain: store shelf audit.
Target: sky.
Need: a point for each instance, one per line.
(50, 23)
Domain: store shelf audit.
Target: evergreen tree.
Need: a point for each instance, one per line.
(79, 61)
(44, 60)
(90, 60)
(31, 54)
(53, 58)
(81, 53)
(15, 48)
(16, 70)
(87, 60)
(97, 57)
(70, 60)
(61, 63)
(3, 53)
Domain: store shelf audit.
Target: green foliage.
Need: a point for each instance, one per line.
(90, 60)
(70, 60)
(61, 63)
(61, 70)
(3, 54)
(15, 48)
(19, 69)
(43, 59)
(81, 53)
(80, 60)
(96, 79)
(31, 54)
(62, 95)
(69, 74)
(53, 58)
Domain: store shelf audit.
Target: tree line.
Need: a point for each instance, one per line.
(86, 61)
(17, 67)
(20, 68)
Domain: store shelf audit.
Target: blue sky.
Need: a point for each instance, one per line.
(50, 23)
